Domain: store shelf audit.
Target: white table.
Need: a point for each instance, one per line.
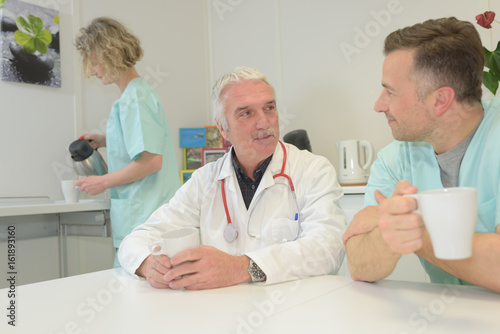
(111, 301)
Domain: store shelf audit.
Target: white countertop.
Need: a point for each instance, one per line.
(46, 207)
(354, 189)
(111, 301)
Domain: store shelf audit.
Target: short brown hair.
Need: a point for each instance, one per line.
(109, 42)
(448, 52)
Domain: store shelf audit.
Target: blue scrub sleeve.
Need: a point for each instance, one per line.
(142, 122)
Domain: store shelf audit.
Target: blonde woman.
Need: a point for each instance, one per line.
(143, 172)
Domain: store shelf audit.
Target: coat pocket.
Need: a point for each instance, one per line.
(284, 230)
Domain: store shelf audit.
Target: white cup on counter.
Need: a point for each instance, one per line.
(70, 191)
(450, 216)
(175, 241)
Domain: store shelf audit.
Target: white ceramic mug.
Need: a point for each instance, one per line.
(450, 216)
(176, 241)
(70, 191)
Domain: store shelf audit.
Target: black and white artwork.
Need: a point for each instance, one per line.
(29, 44)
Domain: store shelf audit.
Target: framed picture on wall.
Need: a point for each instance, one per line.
(29, 44)
(192, 137)
(214, 138)
(192, 157)
(186, 175)
(212, 154)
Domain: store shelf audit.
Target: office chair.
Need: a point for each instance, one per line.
(298, 138)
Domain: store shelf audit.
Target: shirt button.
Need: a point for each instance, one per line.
(253, 186)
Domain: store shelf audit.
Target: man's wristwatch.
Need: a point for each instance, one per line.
(255, 272)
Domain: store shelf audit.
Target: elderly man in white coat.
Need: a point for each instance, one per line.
(266, 211)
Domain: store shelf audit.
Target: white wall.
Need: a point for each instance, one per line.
(299, 45)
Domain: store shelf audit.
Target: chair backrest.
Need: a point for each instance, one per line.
(298, 138)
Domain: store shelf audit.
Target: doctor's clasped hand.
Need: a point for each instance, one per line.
(195, 269)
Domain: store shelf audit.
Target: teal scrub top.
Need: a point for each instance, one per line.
(137, 123)
(416, 163)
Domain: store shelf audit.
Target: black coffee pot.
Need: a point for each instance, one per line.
(87, 161)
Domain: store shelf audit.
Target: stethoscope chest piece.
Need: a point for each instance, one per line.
(230, 233)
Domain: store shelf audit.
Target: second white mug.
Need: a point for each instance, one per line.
(70, 191)
(450, 216)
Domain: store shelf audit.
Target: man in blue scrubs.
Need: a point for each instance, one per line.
(445, 137)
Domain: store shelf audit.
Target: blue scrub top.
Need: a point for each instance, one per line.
(137, 123)
(416, 163)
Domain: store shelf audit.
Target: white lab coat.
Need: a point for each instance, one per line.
(317, 251)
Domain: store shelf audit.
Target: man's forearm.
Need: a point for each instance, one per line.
(369, 258)
(482, 268)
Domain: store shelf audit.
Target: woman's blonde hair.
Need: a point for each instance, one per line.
(110, 43)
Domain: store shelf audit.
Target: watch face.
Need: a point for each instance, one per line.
(257, 274)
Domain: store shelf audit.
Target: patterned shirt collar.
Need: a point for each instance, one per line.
(248, 186)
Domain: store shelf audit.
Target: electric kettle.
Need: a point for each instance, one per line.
(87, 161)
(355, 157)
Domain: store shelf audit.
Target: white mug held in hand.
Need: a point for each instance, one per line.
(450, 216)
(70, 191)
(175, 241)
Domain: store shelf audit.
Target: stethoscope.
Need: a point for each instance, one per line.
(230, 233)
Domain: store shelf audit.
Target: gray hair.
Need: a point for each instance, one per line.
(237, 75)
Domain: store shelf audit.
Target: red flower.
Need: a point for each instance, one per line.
(485, 20)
